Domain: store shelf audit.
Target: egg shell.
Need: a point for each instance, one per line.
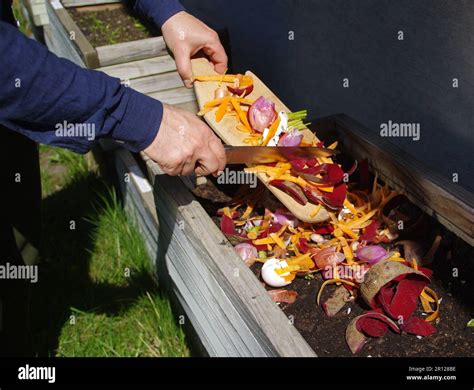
(269, 275)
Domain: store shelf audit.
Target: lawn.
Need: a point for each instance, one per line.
(96, 295)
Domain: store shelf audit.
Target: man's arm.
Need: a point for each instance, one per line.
(157, 11)
(39, 91)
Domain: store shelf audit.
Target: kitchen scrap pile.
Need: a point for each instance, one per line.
(356, 249)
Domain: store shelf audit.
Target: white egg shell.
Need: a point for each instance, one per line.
(269, 275)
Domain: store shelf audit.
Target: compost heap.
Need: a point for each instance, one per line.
(356, 249)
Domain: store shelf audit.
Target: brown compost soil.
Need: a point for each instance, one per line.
(326, 335)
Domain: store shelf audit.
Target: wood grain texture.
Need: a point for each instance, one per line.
(232, 312)
(36, 31)
(58, 39)
(447, 202)
(138, 202)
(226, 130)
(157, 82)
(110, 54)
(131, 51)
(38, 12)
(80, 3)
(61, 17)
(141, 68)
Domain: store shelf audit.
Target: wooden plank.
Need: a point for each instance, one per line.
(58, 41)
(131, 51)
(155, 83)
(80, 3)
(133, 207)
(77, 38)
(141, 68)
(37, 12)
(226, 129)
(40, 20)
(450, 204)
(138, 199)
(37, 32)
(100, 7)
(110, 54)
(232, 313)
(174, 96)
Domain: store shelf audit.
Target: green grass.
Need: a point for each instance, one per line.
(24, 26)
(96, 296)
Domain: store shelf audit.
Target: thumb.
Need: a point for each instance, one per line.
(183, 63)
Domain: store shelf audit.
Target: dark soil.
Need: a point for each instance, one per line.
(327, 335)
(107, 27)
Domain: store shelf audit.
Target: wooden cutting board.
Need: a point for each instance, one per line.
(226, 130)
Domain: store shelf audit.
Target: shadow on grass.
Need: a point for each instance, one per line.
(64, 274)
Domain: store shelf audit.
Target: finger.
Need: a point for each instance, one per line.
(169, 171)
(208, 164)
(188, 167)
(183, 63)
(200, 171)
(211, 157)
(173, 164)
(217, 56)
(216, 147)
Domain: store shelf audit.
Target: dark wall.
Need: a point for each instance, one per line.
(407, 81)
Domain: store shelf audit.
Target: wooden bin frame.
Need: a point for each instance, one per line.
(96, 57)
(231, 313)
(148, 68)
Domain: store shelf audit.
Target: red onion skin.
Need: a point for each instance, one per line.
(290, 139)
(283, 218)
(327, 257)
(371, 254)
(246, 251)
(241, 91)
(261, 114)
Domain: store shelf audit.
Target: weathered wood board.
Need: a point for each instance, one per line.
(156, 82)
(140, 68)
(235, 312)
(226, 130)
(38, 12)
(102, 56)
(230, 311)
(81, 3)
(131, 51)
(69, 36)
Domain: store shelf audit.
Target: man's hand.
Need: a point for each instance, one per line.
(186, 36)
(185, 144)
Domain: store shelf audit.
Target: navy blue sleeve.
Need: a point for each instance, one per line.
(157, 11)
(53, 101)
